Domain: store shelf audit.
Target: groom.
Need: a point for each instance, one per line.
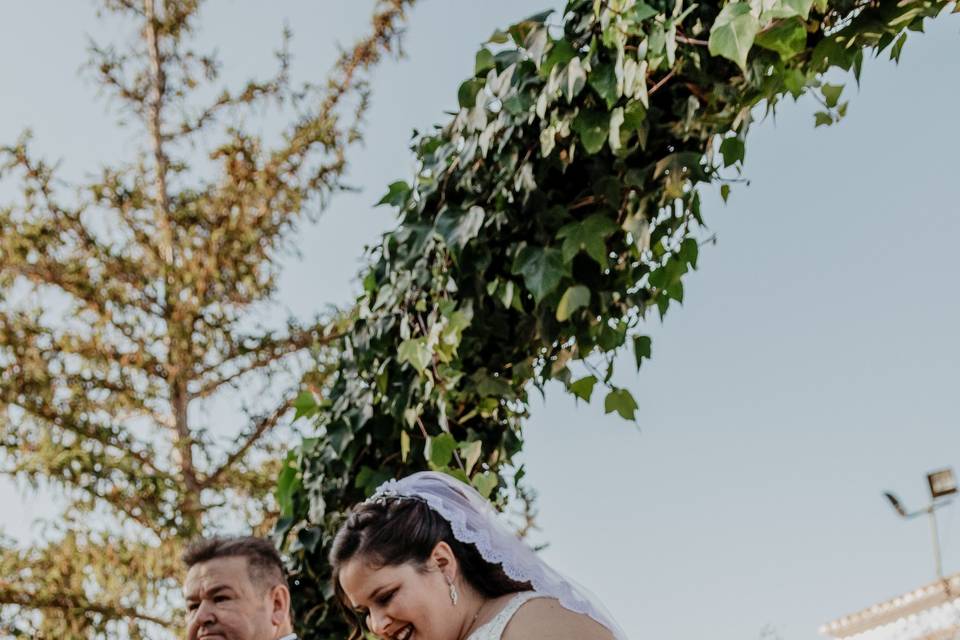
(236, 589)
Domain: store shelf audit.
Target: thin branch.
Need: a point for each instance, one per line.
(73, 603)
(694, 41)
(263, 356)
(259, 430)
(664, 80)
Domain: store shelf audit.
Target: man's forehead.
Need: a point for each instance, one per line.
(218, 572)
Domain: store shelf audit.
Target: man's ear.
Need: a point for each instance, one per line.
(279, 604)
(443, 558)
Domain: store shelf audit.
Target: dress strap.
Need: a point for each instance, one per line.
(494, 629)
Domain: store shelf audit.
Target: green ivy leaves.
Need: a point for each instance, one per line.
(573, 298)
(733, 32)
(786, 37)
(592, 127)
(621, 401)
(542, 269)
(416, 352)
(561, 205)
(780, 27)
(458, 227)
(589, 235)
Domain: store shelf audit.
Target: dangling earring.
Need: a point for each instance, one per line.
(454, 596)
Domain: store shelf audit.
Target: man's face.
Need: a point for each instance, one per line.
(223, 603)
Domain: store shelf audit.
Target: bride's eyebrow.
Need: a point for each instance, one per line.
(361, 610)
(373, 594)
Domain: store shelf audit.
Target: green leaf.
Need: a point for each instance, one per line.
(822, 118)
(484, 61)
(830, 52)
(542, 269)
(560, 53)
(732, 150)
(592, 127)
(642, 346)
(541, 17)
(733, 32)
(787, 38)
(499, 37)
(621, 401)
(575, 78)
(831, 94)
(485, 483)
(795, 81)
(789, 8)
(398, 193)
(641, 11)
(725, 191)
(573, 298)
(470, 452)
(689, 251)
(305, 405)
(604, 82)
(490, 386)
(635, 120)
(439, 449)
(288, 484)
(369, 479)
(370, 282)
(467, 94)
(583, 388)
(457, 227)
(616, 125)
(518, 103)
(588, 235)
(310, 537)
(416, 352)
(404, 446)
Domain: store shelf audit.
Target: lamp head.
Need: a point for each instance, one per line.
(942, 483)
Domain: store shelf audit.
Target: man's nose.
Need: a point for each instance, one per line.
(203, 615)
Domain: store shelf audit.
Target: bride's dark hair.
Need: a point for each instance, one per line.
(393, 531)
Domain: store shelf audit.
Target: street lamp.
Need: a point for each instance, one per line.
(942, 483)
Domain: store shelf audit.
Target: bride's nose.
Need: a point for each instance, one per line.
(379, 622)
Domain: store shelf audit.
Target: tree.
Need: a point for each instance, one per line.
(556, 210)
(127, 306)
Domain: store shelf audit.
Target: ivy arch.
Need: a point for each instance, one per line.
(555, 210)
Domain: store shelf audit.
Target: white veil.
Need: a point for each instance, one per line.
(474, 520)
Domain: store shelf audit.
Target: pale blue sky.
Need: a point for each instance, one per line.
(810, 368)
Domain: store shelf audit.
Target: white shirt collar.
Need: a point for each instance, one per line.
(291, 636)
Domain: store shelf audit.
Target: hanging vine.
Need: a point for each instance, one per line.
(556, 210)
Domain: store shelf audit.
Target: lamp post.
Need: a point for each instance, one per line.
(942, 483)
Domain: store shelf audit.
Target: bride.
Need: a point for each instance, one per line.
(426, 558)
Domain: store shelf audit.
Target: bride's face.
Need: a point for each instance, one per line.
(402, 602)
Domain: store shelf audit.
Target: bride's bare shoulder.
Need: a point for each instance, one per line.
(547, 619)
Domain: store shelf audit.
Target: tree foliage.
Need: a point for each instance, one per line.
(128, 306)
(556, 210)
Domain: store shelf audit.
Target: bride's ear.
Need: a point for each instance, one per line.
(442, 557)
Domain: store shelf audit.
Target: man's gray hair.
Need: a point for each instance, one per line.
(264, 563)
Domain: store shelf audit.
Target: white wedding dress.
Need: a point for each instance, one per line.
(493, 630)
